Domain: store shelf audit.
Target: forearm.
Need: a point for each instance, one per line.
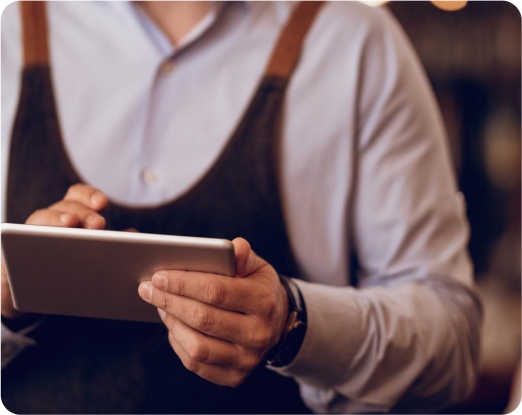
(387, 347)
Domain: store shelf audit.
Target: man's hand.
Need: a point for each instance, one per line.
(221, 327)
(78, 208)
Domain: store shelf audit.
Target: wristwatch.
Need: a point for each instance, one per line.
(284, 352)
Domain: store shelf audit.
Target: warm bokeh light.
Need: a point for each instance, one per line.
(375, 3)
(450, 5)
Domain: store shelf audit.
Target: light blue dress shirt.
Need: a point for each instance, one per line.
(365, 169)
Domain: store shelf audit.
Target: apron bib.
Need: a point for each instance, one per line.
(83, 365)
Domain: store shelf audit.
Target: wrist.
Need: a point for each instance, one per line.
(285, 313)
(294, 329)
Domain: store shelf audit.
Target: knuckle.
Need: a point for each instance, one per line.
(198, 351)
(96, 220)
(215, 293)
(236, 380)
(60, 205)
(163, 300)
(261, 338)
(268, 306)
(250, 360)
(202, 319)
(73, 189)
(180, 282)
(33, 217)
(191, 365)
(40, 212)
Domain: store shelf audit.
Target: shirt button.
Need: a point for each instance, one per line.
(149, 176)
(167, 67)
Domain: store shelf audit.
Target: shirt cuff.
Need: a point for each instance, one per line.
(15, 342)
(332, 337)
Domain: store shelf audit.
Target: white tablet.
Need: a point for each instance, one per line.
(96, 273)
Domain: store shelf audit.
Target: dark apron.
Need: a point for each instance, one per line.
(83, 365)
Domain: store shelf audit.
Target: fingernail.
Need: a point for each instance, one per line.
(97, 198)
(159, 281)
(145, 291)
(162, 313)
(65, 217)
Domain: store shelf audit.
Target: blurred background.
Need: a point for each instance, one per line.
(472, 53)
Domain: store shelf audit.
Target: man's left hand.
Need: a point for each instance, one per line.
(221, 327)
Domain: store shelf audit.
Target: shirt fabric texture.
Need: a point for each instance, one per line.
(365, 169)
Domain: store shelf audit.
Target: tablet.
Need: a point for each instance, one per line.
(96, 273)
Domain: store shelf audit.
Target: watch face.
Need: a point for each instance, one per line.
(292, 343)
(292, 318)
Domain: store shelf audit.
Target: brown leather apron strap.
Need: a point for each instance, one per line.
(288, 47)
(34, 32)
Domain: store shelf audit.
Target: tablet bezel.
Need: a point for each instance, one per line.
(65, 253)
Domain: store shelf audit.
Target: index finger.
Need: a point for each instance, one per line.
(233, 294)
(87, 196)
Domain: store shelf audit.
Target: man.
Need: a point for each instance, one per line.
(309, 130)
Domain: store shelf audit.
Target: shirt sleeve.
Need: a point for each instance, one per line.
(407, 338)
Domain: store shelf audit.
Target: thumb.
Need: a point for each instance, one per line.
(247, 262)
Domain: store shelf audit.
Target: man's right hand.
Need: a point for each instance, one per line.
(79, 208)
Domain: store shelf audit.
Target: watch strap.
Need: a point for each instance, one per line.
(284, 352)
